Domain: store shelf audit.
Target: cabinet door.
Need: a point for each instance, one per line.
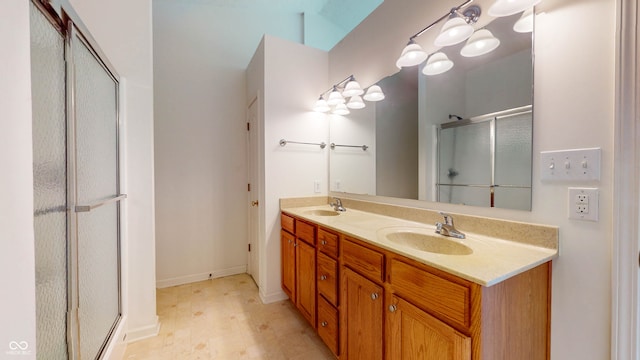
(288, 263)
(306, 281)
(414, 334)
(361, 314)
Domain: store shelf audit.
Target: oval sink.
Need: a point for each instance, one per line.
(322, 213)
(429, 243)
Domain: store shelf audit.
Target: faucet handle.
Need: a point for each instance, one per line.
(448, 219)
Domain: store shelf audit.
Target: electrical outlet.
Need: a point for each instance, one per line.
(583, 204)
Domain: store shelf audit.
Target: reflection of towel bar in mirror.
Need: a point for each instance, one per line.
(363, 147)
(284, 142)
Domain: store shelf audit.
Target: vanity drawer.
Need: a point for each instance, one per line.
(328, 243)
(441, 297)
(363, 260)
(327, 272)
(306, 232)
(328, 324)
(288, 223)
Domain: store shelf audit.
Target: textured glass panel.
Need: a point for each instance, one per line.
(97, 276)
(465, 155)
(50, 187)
(465, 195)
(513, 150)
(513, 198)
(96, 116)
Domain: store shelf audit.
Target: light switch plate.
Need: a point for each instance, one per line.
(570, 165)
(583, 204)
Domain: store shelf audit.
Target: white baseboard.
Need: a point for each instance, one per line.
(144, 332)
(273, 297)
(181, 280)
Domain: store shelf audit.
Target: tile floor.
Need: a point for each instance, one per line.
(225, 319)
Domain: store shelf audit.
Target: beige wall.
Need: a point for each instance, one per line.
(573, 108)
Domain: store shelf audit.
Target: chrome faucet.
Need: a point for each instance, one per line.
(337, 205)
(447, 229)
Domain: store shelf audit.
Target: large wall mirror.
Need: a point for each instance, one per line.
(463, 136)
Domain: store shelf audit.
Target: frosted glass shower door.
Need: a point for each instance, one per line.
(97, 198)
(49, 186)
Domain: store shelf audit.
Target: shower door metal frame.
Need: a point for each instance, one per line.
(68, 23)
(492, 119)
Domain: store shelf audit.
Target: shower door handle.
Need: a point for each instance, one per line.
(89, 207)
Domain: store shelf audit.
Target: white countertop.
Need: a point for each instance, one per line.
(492, 260)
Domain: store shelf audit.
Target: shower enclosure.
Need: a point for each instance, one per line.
(486, 161)
(76, 189)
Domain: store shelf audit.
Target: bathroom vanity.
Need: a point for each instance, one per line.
(382, 287)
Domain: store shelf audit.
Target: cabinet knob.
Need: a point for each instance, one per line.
(294, 244)
(323, 242)
(393, 308)
(323, 277)
(374, 296)
(289, 241)
(324, 324)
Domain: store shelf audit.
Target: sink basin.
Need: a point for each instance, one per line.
(422, 241)
(322, 213)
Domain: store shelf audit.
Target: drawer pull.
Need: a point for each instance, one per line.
(393, 308)
(374, 296)
(324, 324)
(323, 277)
(323, 242)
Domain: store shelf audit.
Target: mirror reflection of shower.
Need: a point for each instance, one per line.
(496, 148)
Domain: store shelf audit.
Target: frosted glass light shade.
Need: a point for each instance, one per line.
(438, 63)
(374, 93)
(341, 109)
(510, 7)
(525, 23)
(355, 102)
(412, 55)
(335, 98)
(321, 105)
(352, 89)
(480, 43)
(454, 31)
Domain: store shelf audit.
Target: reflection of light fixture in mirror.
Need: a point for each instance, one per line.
(352, 88)
(454, 31)
(480, 43)
(510, 7)
(335, 97)
(374, 93)
(438, 63)
(321, 105)
(412, 55)
(340, 109)
(525, 23)
(355, 102)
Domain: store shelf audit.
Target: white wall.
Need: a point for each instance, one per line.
(290, 171)
(18, 310)
(574, 108)
(201, 52)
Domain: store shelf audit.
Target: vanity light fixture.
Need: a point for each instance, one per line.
(374, 93)
(457, 29)
(510, 7)
(525, 23)
(321, 105)
(438, 63)
(480, 43)
(341, 109)
(346, 88)
(335, 97)
(355, 102)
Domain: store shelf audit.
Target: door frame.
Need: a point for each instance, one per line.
(255, 192)
(625, 327)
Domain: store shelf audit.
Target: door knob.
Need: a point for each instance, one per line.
(254, 203)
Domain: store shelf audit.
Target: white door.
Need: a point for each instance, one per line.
(253, 189)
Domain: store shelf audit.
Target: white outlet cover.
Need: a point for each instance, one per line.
(577, 207)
